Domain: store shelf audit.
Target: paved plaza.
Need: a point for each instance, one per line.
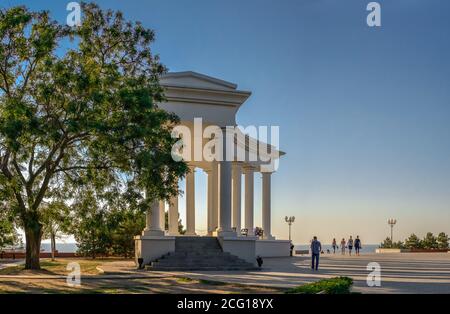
(400, 273)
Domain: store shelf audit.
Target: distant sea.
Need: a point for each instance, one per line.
(60, 247)
(72, 247)
(368, 248)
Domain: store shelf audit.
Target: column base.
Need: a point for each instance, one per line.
(154, 233)
(269, 237)
(225, 233)
(191, 234)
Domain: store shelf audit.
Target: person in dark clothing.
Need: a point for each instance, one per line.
(259, 260)
(316, 248)
(357, 245)
(292, 249)
(334, 245)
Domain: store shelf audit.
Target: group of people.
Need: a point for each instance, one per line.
(316, 249)
(349, 244)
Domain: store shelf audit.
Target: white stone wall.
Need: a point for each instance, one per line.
(151, 248)
(273, 248)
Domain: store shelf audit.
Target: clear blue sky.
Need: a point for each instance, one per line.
(364, 113)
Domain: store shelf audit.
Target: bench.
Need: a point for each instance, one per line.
(301, 252)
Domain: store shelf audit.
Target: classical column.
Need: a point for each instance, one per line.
(162, 215)
(190, 201)
(225, 192)
(215, 196)
(153, 227)
(236, 192)
(210, 202)
(148, 219)
(174, 216)
(266, 206)
(249, 204)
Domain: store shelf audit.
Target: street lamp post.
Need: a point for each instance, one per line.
(289, 221)
(392, 223)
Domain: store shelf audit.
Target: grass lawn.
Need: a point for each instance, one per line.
(93, 281)
(58, 267)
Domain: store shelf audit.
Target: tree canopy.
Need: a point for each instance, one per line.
(80, 113)
(8, 233)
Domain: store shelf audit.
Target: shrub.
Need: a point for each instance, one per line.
(413, 242)
(338, 285)
(442, 240)
(387, 244)
(430, 241)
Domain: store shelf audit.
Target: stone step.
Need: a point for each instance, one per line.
(234, 265)
(199, 261)
(197, 268)
(197, 256)
(199, 253)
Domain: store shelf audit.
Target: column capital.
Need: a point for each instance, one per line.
(192, 168)
(237, 164)
(248, 169)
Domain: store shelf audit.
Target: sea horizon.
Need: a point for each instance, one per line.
(71, 247)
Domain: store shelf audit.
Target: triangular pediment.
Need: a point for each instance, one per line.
(191, 79)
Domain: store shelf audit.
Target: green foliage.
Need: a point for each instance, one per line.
(442, 240)
(55, 218)
(8, 233)
(387, 244)
(338, 285)
(90, 226)
(124, 225)
(413, 242)
(181, 229)
(87, 114)
(430, 241)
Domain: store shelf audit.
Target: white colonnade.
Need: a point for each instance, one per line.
(224, 179)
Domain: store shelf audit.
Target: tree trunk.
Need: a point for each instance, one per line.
(53, 245)
(33, 236)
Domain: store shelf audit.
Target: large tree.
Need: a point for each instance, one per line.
(78, 112)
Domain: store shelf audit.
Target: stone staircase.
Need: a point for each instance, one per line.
(199, 253)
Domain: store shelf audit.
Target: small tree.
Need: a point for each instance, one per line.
(413, 242)
(55, 219)
(124, 225)
(442, 240)
(386, 244)
(89, 225)
(430, 242)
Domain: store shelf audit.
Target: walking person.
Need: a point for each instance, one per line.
(350, 246)
(343, 246)
(357, 245)
(334, 245)
(316, 248)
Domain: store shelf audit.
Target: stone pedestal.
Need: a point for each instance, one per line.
(153, 247)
